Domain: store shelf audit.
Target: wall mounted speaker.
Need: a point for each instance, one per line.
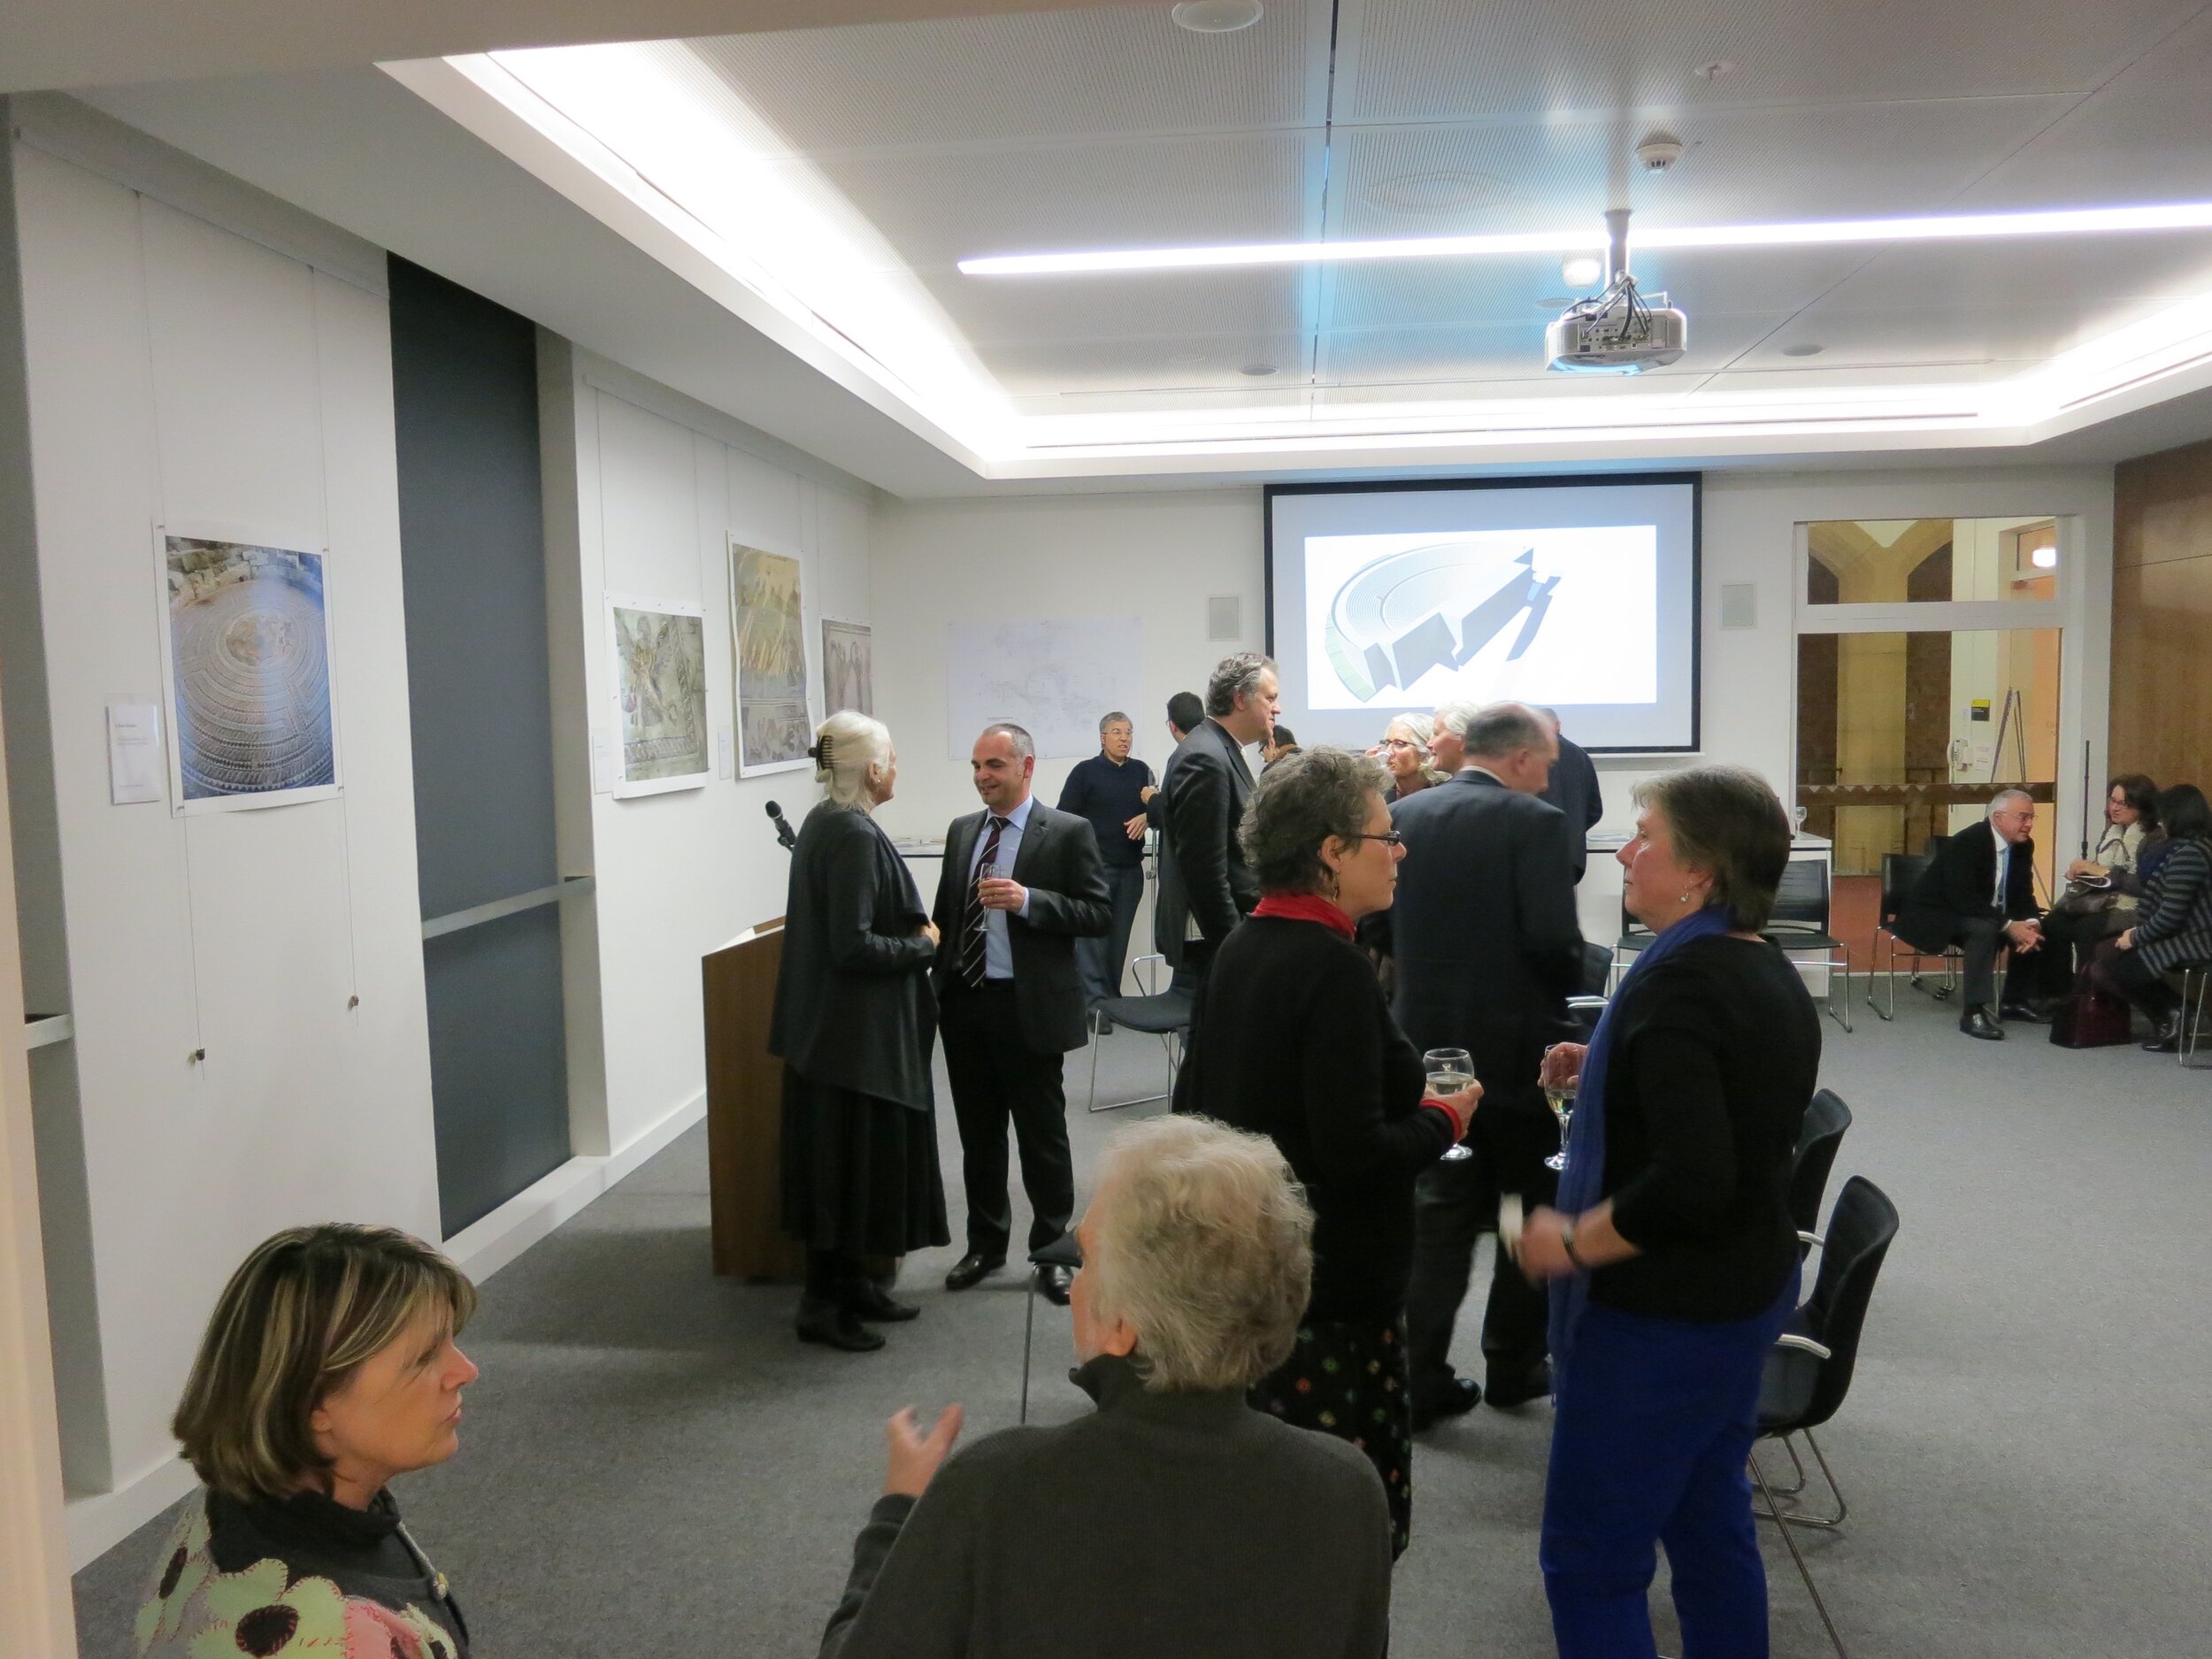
(1739, 604)
(1224, 617)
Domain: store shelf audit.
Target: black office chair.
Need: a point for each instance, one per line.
(2195, 977)
(1064, 1251)
(1900, 872)
(1634, 937)
(1808, 1370)
(1162, 1014)
(1798, 926)
(1818, 1139)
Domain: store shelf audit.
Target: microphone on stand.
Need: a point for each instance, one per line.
(786, 836)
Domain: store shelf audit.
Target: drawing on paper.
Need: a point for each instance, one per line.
(661, 681)
(848, 668)
(248, 659)
(769, 643)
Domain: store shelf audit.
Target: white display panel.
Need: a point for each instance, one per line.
(1582, 596)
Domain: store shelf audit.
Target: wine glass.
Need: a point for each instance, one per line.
(1450, 1071)
(1561, 1098)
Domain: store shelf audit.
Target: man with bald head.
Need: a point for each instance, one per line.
(1487, 949)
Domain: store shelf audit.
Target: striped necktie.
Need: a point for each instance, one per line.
(972, 923)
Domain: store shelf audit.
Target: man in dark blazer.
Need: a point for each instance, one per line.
(1574, 790)
(1010, 995)
(1978, 893)
(1206, 888)
(1487, 949)
(1185, 710)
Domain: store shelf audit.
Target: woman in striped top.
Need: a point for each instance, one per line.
(2173, 925)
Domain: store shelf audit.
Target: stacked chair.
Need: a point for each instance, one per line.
(1162, 1014)
(1799, 926)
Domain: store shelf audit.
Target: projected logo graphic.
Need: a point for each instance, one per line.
(1431, 607)
(1555, 614)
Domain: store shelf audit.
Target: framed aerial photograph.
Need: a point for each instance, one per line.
(848, 668)
(660, 660)
(768, 642)
(247, 670)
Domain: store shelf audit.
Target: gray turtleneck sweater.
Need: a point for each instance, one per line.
(1160, 1524)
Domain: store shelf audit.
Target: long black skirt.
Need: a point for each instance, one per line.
(860, 1173)
(1349, 1379)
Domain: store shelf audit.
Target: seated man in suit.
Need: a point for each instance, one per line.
(1021, 883)
(1978, 893)
(1174, 1519)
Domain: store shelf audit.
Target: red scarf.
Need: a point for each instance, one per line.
(1305, 907)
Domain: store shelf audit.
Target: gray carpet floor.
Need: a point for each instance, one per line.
(653, 1465)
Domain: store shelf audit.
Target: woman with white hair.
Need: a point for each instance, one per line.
(1406, 756)
(853, 1024)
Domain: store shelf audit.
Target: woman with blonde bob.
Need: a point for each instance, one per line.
(854, 1021)
(329, 1367)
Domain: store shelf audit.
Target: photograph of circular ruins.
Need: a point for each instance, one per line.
(250, 668)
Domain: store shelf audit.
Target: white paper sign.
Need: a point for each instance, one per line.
(136, 771)
(604, 766)
(725, 754)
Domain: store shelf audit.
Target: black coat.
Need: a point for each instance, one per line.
(1573, 790)
(853, 1002)
(1485, 940)
(1203, 872)
(1959, 881)
(1068, 900)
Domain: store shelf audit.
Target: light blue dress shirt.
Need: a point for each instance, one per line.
(2004, 868)
(998, 949)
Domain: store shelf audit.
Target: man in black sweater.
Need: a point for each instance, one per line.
(1175, 1520)
(1113, 792)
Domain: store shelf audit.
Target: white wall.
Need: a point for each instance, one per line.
(659, 486)
(1161, 553)
(178, 371)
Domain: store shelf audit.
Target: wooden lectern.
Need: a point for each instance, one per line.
(745, 1109)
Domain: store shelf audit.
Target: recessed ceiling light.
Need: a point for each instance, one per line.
(1581, 271)
(1218, 17)
(1441, 192)
(1258, 371)
(2086, 221)
(1803, 350)
(1714, 70)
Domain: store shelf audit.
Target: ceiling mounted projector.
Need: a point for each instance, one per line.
(1620, 332)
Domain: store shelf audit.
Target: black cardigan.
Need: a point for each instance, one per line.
(1292, 1039)
(1717, 1052)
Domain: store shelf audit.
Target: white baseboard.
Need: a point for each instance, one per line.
(96, 1522)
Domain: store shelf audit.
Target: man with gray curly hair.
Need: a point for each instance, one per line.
(1174, 1519)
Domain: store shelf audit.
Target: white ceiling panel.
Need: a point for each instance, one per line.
(1958, 334)
(1166, 363)
(1002, 78)
(1751, 373)
(2088, 274)
(1414, 60)
(1414, 355)
(1171, 403)
(1120, 307)
(940, 206)
(1538, 387)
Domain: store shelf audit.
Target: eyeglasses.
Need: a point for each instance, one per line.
(1388, 838)
(1398, 743)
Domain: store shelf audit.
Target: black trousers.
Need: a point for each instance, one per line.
(2069, 938)
(1454, 1204)
(1101, 959)
(996, 1079)
(1978, 937)
(2124, 974)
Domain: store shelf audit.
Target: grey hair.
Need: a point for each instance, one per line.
(1997, 802)
(850, 751)
(1111, 719)
(1203, 1240)
(1726, 821)
(1423, 730)
(1305, 801)
(1454, 718)
(1497, 729)
(1025, 745)
(1235, 677)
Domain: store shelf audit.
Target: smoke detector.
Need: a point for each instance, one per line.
(1216, 17)
(1659, 151)
(1621, 331)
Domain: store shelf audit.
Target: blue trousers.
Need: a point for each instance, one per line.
(1656, 1419)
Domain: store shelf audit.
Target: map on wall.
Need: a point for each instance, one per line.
(768, 642)
(248, 653)
(1055, 676)
(660, 659)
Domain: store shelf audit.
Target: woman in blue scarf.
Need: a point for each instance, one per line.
(1671, 1257)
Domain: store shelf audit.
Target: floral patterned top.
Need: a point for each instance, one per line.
(306, 1577)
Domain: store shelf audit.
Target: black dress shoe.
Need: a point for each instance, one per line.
(864, 1299)
(2165, 1036)
(1463, 1396)
(1980, 1022)
(1535, 1386)
(1055, 1283)
(834, 1326)
(2021, 1012)
(971, 1270)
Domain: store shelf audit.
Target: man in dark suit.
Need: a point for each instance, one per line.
(1185, 710)
(1573, 790)
(1487, 949)
(1021, 883)
(1978, 893)
(1206, 888)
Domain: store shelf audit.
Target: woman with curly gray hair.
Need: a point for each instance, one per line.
(1295, 1041)
(1406, 755)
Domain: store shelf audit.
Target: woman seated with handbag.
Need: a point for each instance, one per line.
(2101, 889)
(2175, 925)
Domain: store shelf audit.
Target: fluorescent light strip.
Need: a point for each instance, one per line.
(2087, 222)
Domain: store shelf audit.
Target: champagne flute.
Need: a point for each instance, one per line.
(1450, 1071)
(1559, 1097)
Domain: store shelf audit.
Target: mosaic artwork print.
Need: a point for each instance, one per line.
(773, 728)
(661, 678)
(249, 672)
(848, 670)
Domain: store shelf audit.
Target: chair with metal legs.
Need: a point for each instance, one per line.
(1162, 1014)
(1808, 1370)
(1900, 871)
(1799, 926)
(1064, 1251)
(2196, 977)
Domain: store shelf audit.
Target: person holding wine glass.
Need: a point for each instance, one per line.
(1295, 1041)
(1671, 1257)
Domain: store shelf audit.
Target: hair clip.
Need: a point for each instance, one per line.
(822, 750)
